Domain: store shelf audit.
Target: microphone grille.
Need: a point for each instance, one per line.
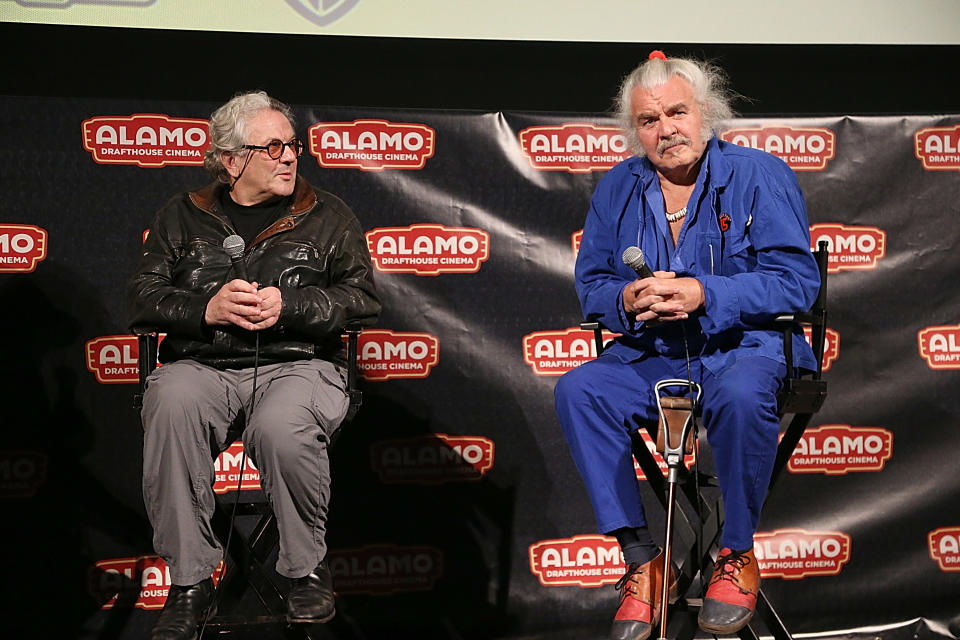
(234, 246)
(633, 257)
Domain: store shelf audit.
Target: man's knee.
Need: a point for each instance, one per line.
(574, 385)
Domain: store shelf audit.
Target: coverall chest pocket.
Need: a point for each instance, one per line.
(724, 253)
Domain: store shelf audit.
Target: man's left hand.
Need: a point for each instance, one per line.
(667, 298)
(269, 309)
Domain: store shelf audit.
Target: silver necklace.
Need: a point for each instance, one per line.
(673, 217)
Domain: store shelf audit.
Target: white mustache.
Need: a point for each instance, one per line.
(671, 141)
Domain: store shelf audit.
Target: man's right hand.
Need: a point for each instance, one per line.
(663, 298)
(237, 302)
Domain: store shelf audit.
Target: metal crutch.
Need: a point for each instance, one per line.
(670, 409)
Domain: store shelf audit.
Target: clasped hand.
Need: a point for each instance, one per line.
(240, 302)
(663, 298)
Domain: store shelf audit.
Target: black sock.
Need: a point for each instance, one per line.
(637, 545)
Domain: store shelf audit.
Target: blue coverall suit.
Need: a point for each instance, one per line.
(746, 238)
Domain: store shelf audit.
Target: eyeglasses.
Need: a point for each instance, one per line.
(275, 148)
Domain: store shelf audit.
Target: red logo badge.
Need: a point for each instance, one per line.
(831, 346)
(851, 248)
(141, 582)
(146, 140)
(371, 145)
(575, 148)
(227, 471)
(940, 346)
(724, 222)
(115, 359)
(839, 449)
(794, 553)
(553, 353)
(585, 561)
(432, 459)
(385, 354)
(22, 246)
(385, 568)
(938, 148)
(803, 149)
(945, 547)
(428, 249)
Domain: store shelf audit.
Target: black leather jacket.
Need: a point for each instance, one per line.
(316, 255)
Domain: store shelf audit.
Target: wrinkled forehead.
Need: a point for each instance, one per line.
(266, 125)
(673, 93)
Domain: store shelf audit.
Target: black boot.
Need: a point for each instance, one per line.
(311, 597)
(183, 611)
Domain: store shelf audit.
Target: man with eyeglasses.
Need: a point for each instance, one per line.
(271, 322)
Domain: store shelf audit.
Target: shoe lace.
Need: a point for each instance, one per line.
(730, 566)
(627, 584)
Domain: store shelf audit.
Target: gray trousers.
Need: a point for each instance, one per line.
(187, 409)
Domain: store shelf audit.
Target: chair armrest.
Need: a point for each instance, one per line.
(591, 323)
(147, 341)
(352, 331)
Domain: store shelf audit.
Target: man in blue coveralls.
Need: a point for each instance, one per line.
(725, 230)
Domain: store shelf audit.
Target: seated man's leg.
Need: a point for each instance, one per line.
(740, 416)
(187, 408)
(299, 407)
(598, 404)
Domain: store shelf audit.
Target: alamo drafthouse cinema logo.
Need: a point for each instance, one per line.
(944, 547)
(590, 560)
(795, 553)
(938, 148)
(140, 582)
(553, 353)
(371, 145)
(22, 247)
(573, 147)
(428, 249)
(802, 148)
(146, 140)
(382, 569)
(940, 346)
(839, 449)
(384, 354)
(852, 248)
(432, 459)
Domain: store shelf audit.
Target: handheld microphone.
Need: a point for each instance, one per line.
(633, 258)
(234, 246)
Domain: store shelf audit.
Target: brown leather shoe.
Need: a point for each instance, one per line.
(183, 611)
(311, 597)
(640, 591)
(732, 594)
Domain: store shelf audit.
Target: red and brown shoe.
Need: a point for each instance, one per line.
(640, 592)
(732, 594)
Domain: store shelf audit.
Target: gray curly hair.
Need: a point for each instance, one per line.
(228, 127)
(710, 89)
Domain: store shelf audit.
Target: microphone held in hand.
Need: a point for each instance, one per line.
(234, 246)
(633, 258)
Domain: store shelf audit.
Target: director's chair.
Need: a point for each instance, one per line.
(248, 553)
(700, 517)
